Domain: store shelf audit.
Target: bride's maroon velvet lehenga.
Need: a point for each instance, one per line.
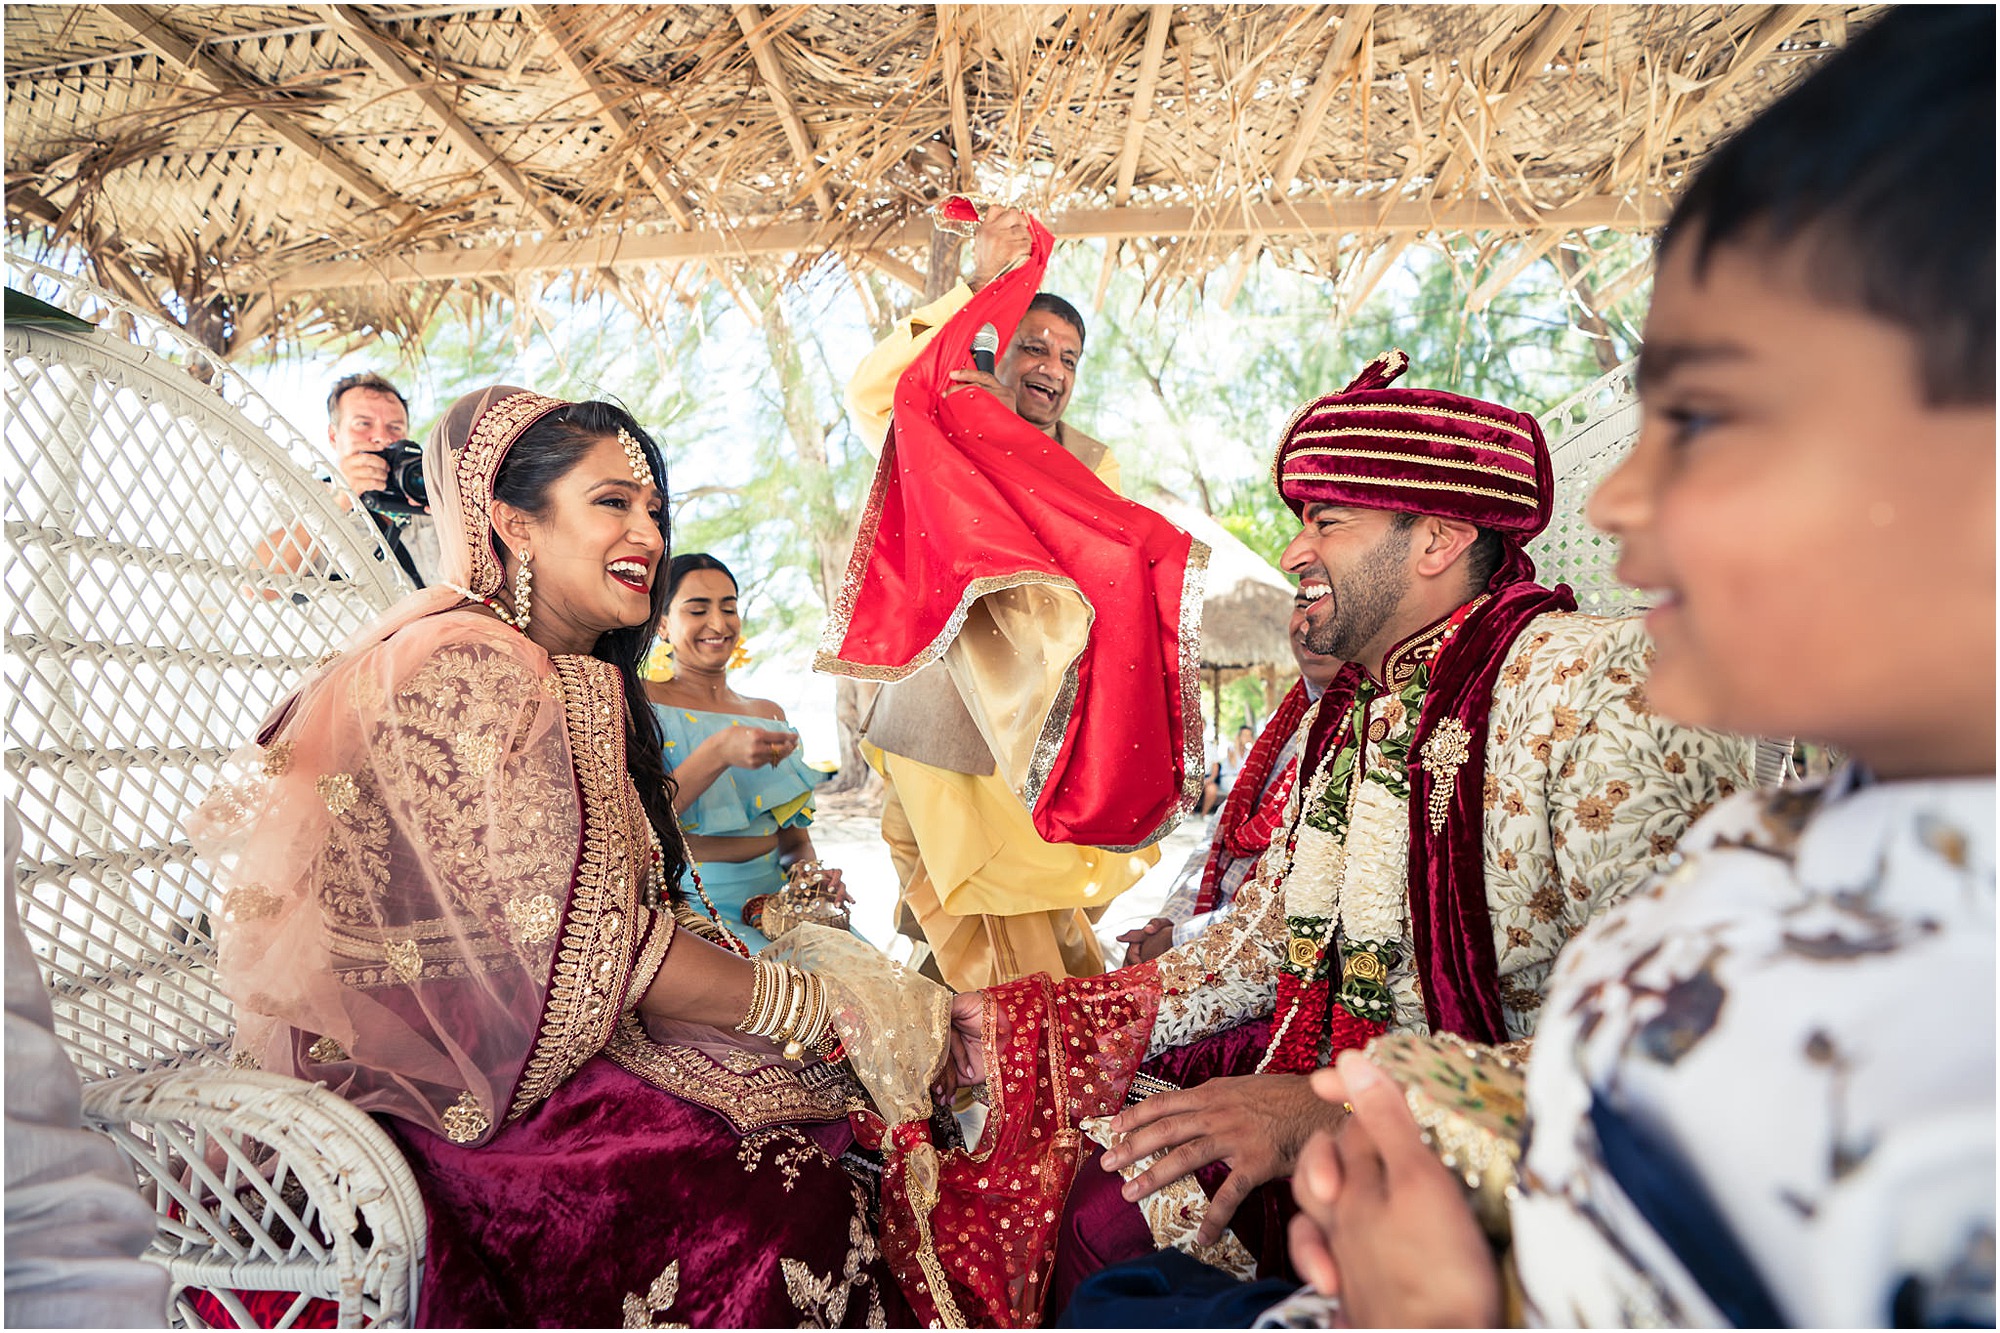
(434, 868)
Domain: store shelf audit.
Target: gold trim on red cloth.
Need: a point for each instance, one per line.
(1476, 418)
(1390, 456)
(1456, 488)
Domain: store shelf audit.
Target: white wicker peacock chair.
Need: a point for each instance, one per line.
(1589, 434)
(146, 640)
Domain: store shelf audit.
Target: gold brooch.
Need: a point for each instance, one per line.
(1449, 746)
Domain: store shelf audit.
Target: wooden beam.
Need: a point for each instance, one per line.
(623, 125)
(898, 270)
(1305, 218)
(213, 76)
(1158, 23)
(953, 52)
(354, 27)
(750, 18)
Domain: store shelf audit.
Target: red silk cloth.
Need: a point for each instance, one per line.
(1056, 1053)
(967, 499)
(1250, 816)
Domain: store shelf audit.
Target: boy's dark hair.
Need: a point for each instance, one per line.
(1880, 164)
(1050, 303)
(366, 379)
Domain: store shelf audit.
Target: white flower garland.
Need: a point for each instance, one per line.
(1375, 889)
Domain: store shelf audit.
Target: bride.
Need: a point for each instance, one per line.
(454, 894)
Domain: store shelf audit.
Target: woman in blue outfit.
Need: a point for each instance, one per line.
(743, 793)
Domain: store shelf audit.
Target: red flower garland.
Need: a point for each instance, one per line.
(1237, 833)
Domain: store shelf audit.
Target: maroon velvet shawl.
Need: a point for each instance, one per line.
(1451, 926)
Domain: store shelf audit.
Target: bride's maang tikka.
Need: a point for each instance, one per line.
(642, 470)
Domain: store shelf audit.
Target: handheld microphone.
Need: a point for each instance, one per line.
(985, 344)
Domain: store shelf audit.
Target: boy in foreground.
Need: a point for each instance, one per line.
(1762, 1090)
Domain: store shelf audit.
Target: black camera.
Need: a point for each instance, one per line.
(406, 493)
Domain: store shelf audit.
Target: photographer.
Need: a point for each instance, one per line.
(366, 417)
(365, 414)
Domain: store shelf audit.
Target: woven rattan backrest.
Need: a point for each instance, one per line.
(1589, 435)
(146, 639)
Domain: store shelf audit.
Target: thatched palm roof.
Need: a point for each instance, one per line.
(336, 165)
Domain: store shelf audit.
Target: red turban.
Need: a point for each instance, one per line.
(1420, 451)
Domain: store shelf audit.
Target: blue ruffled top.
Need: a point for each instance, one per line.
(741, 802)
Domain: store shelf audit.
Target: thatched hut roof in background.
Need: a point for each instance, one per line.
(277, 167)
(1246, 604)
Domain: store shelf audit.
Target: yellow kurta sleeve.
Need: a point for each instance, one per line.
(871, 390)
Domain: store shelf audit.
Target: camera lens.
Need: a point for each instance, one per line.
(411, 477)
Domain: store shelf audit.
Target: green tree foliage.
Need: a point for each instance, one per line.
(744, 387)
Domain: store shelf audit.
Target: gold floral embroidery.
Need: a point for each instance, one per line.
(339, 792)
(822, 1301)
(245, 1060)
(791, 1150)
(659, 1298)
(771, 1094)
(405, 959)
(364, 690)
(580, 1012)
(478, 749)
(532, 920)
(250, 902)
(466, 1119)
(477, 463)
(326, 1051)
(277, 758)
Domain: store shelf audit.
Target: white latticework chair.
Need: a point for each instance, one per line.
(146, 640)
(1589, 434)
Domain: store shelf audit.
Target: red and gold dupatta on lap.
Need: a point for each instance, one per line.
(1068, 616)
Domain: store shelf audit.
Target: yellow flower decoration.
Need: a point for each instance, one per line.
(739, 656)
(659, 662)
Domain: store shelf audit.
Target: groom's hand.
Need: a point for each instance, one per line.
(1256, 1125)
(966, 1065)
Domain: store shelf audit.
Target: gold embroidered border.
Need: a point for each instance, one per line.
(1322, 451)
(477, 464)
(651, 959)
(581, 1009)
(1370, 432)
(773, 1095)
(1285, 438)
(1192, 586)
(1528, 501)
(1474, 417)
(840, 616)
(829, 660)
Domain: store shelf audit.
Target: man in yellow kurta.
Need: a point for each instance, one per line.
(992, 899)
